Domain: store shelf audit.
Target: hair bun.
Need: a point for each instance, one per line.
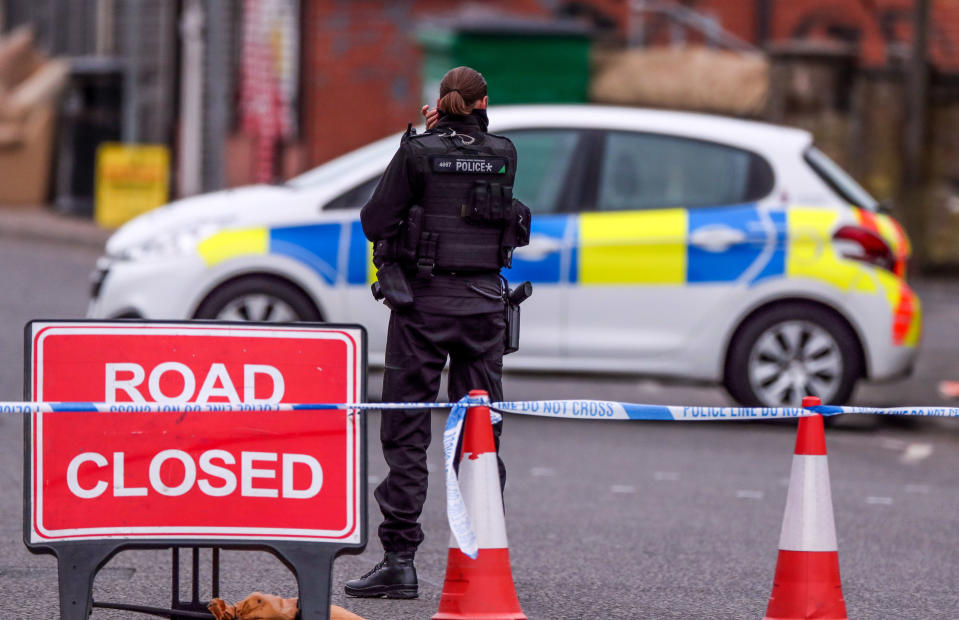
(469, 86)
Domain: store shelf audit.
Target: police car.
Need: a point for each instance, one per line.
(663, 243)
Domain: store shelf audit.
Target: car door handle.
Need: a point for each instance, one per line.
(716, 237)
(539, 247)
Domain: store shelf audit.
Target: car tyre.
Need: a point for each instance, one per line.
(790, 351)
(258, 298)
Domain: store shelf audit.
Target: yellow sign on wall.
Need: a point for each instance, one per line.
(130, 179)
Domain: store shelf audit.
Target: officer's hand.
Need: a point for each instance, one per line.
(431, 116)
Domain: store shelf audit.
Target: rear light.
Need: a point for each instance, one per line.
(858, 243)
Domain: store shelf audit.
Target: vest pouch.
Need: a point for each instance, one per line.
(384, 251)
(426, 254)
(516, 233)
(504, 210)
(496, 210)
(409, 236)
(489, 204)
(394, 287)
(477, 210)
(521, 218)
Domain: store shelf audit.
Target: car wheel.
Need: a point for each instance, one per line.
(258, 299)
(788, 352)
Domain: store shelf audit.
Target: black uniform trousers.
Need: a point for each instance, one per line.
(417, 347)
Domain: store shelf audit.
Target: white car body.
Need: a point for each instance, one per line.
(607, 304)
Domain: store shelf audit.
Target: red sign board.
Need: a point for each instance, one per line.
(239, 476)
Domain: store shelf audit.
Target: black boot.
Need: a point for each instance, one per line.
(393, 577)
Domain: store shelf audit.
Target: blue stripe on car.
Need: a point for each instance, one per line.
(757, 253)
(316, 246)
(546, 268)
(359, 259)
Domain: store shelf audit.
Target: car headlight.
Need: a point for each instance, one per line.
(179, 242)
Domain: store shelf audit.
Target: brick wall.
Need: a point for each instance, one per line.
(882, 28)
(361, 62)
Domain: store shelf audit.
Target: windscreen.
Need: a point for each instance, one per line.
(333, 170)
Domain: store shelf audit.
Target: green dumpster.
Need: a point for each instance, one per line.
(523, 60)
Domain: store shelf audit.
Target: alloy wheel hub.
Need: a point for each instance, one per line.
(794, 359)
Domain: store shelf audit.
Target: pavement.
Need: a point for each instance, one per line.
(42, 223)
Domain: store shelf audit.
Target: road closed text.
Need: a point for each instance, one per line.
(216, 473)
(177, 382)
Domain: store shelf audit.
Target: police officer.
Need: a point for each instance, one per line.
(443, 223)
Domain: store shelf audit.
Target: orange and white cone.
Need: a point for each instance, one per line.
(480, 588)
(807, 583)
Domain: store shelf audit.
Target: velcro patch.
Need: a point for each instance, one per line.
(475, 164)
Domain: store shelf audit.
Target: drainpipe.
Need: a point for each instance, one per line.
(190, 169)
(764, 16)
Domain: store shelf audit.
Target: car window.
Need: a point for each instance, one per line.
(354, 198)
(544, 158)
(837, 178)
(651, 171)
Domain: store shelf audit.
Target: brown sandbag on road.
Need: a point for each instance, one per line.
(268, 607)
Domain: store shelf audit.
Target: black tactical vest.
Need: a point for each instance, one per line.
(467, 184)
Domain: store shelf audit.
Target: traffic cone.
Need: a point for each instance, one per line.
(480, 588)
(807, 583)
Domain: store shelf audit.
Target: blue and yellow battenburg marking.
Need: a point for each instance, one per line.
(656, 247)
(555, 264)
(652, 247)
(601, 248)
(629, 247)
(316, 246)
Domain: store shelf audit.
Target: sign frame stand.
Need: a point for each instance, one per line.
(79, 561)
(194, 603)
(77, 566)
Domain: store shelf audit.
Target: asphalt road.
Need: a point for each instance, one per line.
(605, 519)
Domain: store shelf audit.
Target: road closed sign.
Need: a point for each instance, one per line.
(191, 470)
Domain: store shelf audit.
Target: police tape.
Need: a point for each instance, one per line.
(29, 407)
(456, 513)
(571, 409)
(601, 409)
